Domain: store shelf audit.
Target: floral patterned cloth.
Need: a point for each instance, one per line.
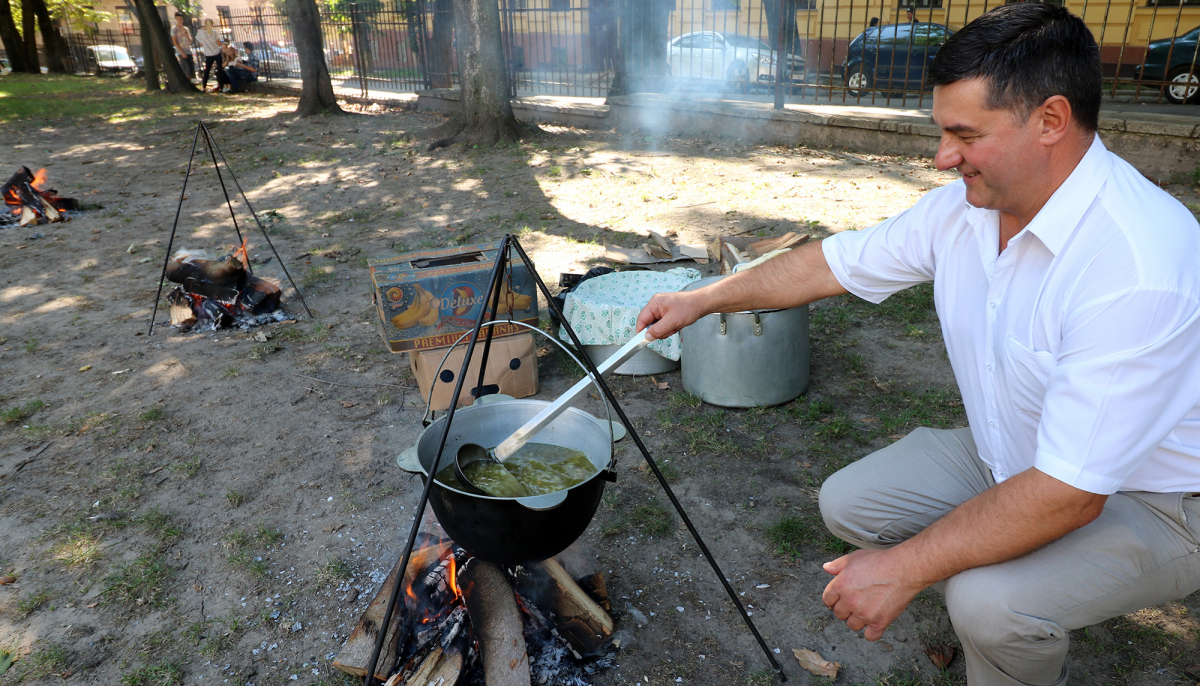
(604, 310)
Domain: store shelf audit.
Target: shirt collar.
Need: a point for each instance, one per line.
(1057, 220)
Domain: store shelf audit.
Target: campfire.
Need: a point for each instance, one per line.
(28, 201)
(466, 620)
(217, 294)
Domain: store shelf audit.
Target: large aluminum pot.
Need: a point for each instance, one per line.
(514, 530)
(746, 359)
(644, 363)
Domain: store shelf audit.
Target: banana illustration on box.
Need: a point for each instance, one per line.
(512, 301)
(423, 311)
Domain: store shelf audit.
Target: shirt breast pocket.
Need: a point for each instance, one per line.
(1028, 372)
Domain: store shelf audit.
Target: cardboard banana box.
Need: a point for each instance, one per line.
(427, 299)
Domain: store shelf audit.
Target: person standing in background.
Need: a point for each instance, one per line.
(210, 45)
(181, 39)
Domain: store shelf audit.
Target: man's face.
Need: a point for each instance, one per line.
(1001, 160)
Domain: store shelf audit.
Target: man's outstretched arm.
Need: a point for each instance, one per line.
(872, 587)
(792, 279)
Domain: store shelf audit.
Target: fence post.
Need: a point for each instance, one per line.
(784, 6)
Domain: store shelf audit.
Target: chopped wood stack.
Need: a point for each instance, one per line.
(442, 628)
(735, 250)
(24, 198)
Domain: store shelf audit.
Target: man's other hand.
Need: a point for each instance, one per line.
(868, 591)
(667, 313)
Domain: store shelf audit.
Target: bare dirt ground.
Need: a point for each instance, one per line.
(212, 508)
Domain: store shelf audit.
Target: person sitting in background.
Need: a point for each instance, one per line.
(241, 71)
(229, 55)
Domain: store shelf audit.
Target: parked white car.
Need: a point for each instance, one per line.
(736, 60)
(114, 58)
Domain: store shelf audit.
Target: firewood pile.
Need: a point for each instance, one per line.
(217, 294)
(27, 201)
(468, 621)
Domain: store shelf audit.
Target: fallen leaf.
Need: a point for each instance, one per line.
(941, 656)
(85, 367)
(331, 529)
(349, 403)
(896, 437)
(155, 470)
(813, 662)
(92, 605)
(197, 587)
(662, 385)
(6, 580)
(869, 420)
(66, 674)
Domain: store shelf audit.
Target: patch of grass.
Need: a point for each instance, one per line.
(152, 415)
(31, 345)
(267, 536)
(262, 350)
(555, 170)
(316, 275)
(652, 520)
(699, 431)
(161, 674)
(385, 492)
(17, 413)
(141, 582)
(242, 556)
(231, 373)
(45, 660)
(30, 603)
(334, 571)
(317, 333)
(188, 468)
(235, 498)
(791, 535)
(159, 524)
(79, 549)
(899, 677)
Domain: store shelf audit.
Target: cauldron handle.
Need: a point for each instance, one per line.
(427, 418)
(549, 501)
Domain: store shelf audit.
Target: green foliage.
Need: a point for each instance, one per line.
(791, 535)
(652, 519)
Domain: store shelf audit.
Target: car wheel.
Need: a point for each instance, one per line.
(858, 80)
(1184, 85)
(738, 78)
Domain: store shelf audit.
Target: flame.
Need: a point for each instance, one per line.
(454, 579)
(39, 179)
(242, 256)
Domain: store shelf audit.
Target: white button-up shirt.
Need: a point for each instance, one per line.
(1077, 349)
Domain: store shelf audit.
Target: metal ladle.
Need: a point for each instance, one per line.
(469, 453)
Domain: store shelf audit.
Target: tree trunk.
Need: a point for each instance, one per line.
(642, 66)
(441, 46)
(791, 32)
(54, 45)
(177, 80)
(149, 59)
(32, 65)
(316, 89)
(14, 46)
(485, 113)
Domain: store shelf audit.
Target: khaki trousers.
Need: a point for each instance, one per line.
(1013, 617)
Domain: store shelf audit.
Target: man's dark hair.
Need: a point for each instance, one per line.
(1027, 52)
(178, 14)
(248, 46)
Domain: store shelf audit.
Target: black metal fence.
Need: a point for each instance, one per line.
(870, 52)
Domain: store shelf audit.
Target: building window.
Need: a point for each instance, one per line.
(560, 5)
(726, 5)
(922, 4)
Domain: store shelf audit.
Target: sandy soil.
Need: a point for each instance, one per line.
(229, 505)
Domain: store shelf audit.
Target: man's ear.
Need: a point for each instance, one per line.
(1056, 118)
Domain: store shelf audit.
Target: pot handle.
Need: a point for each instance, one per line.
(549, 501)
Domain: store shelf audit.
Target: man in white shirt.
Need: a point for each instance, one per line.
(1068, 289)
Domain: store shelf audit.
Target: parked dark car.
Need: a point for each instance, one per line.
(1182, 72)
(893, 56)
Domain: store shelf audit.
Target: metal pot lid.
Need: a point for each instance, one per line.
(710, 280)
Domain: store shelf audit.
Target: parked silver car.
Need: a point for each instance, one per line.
(108, 58)
(732, 59)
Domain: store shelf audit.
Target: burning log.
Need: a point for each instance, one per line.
(222, 292)
(24, 195)
(356, 655)
(497, 623)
